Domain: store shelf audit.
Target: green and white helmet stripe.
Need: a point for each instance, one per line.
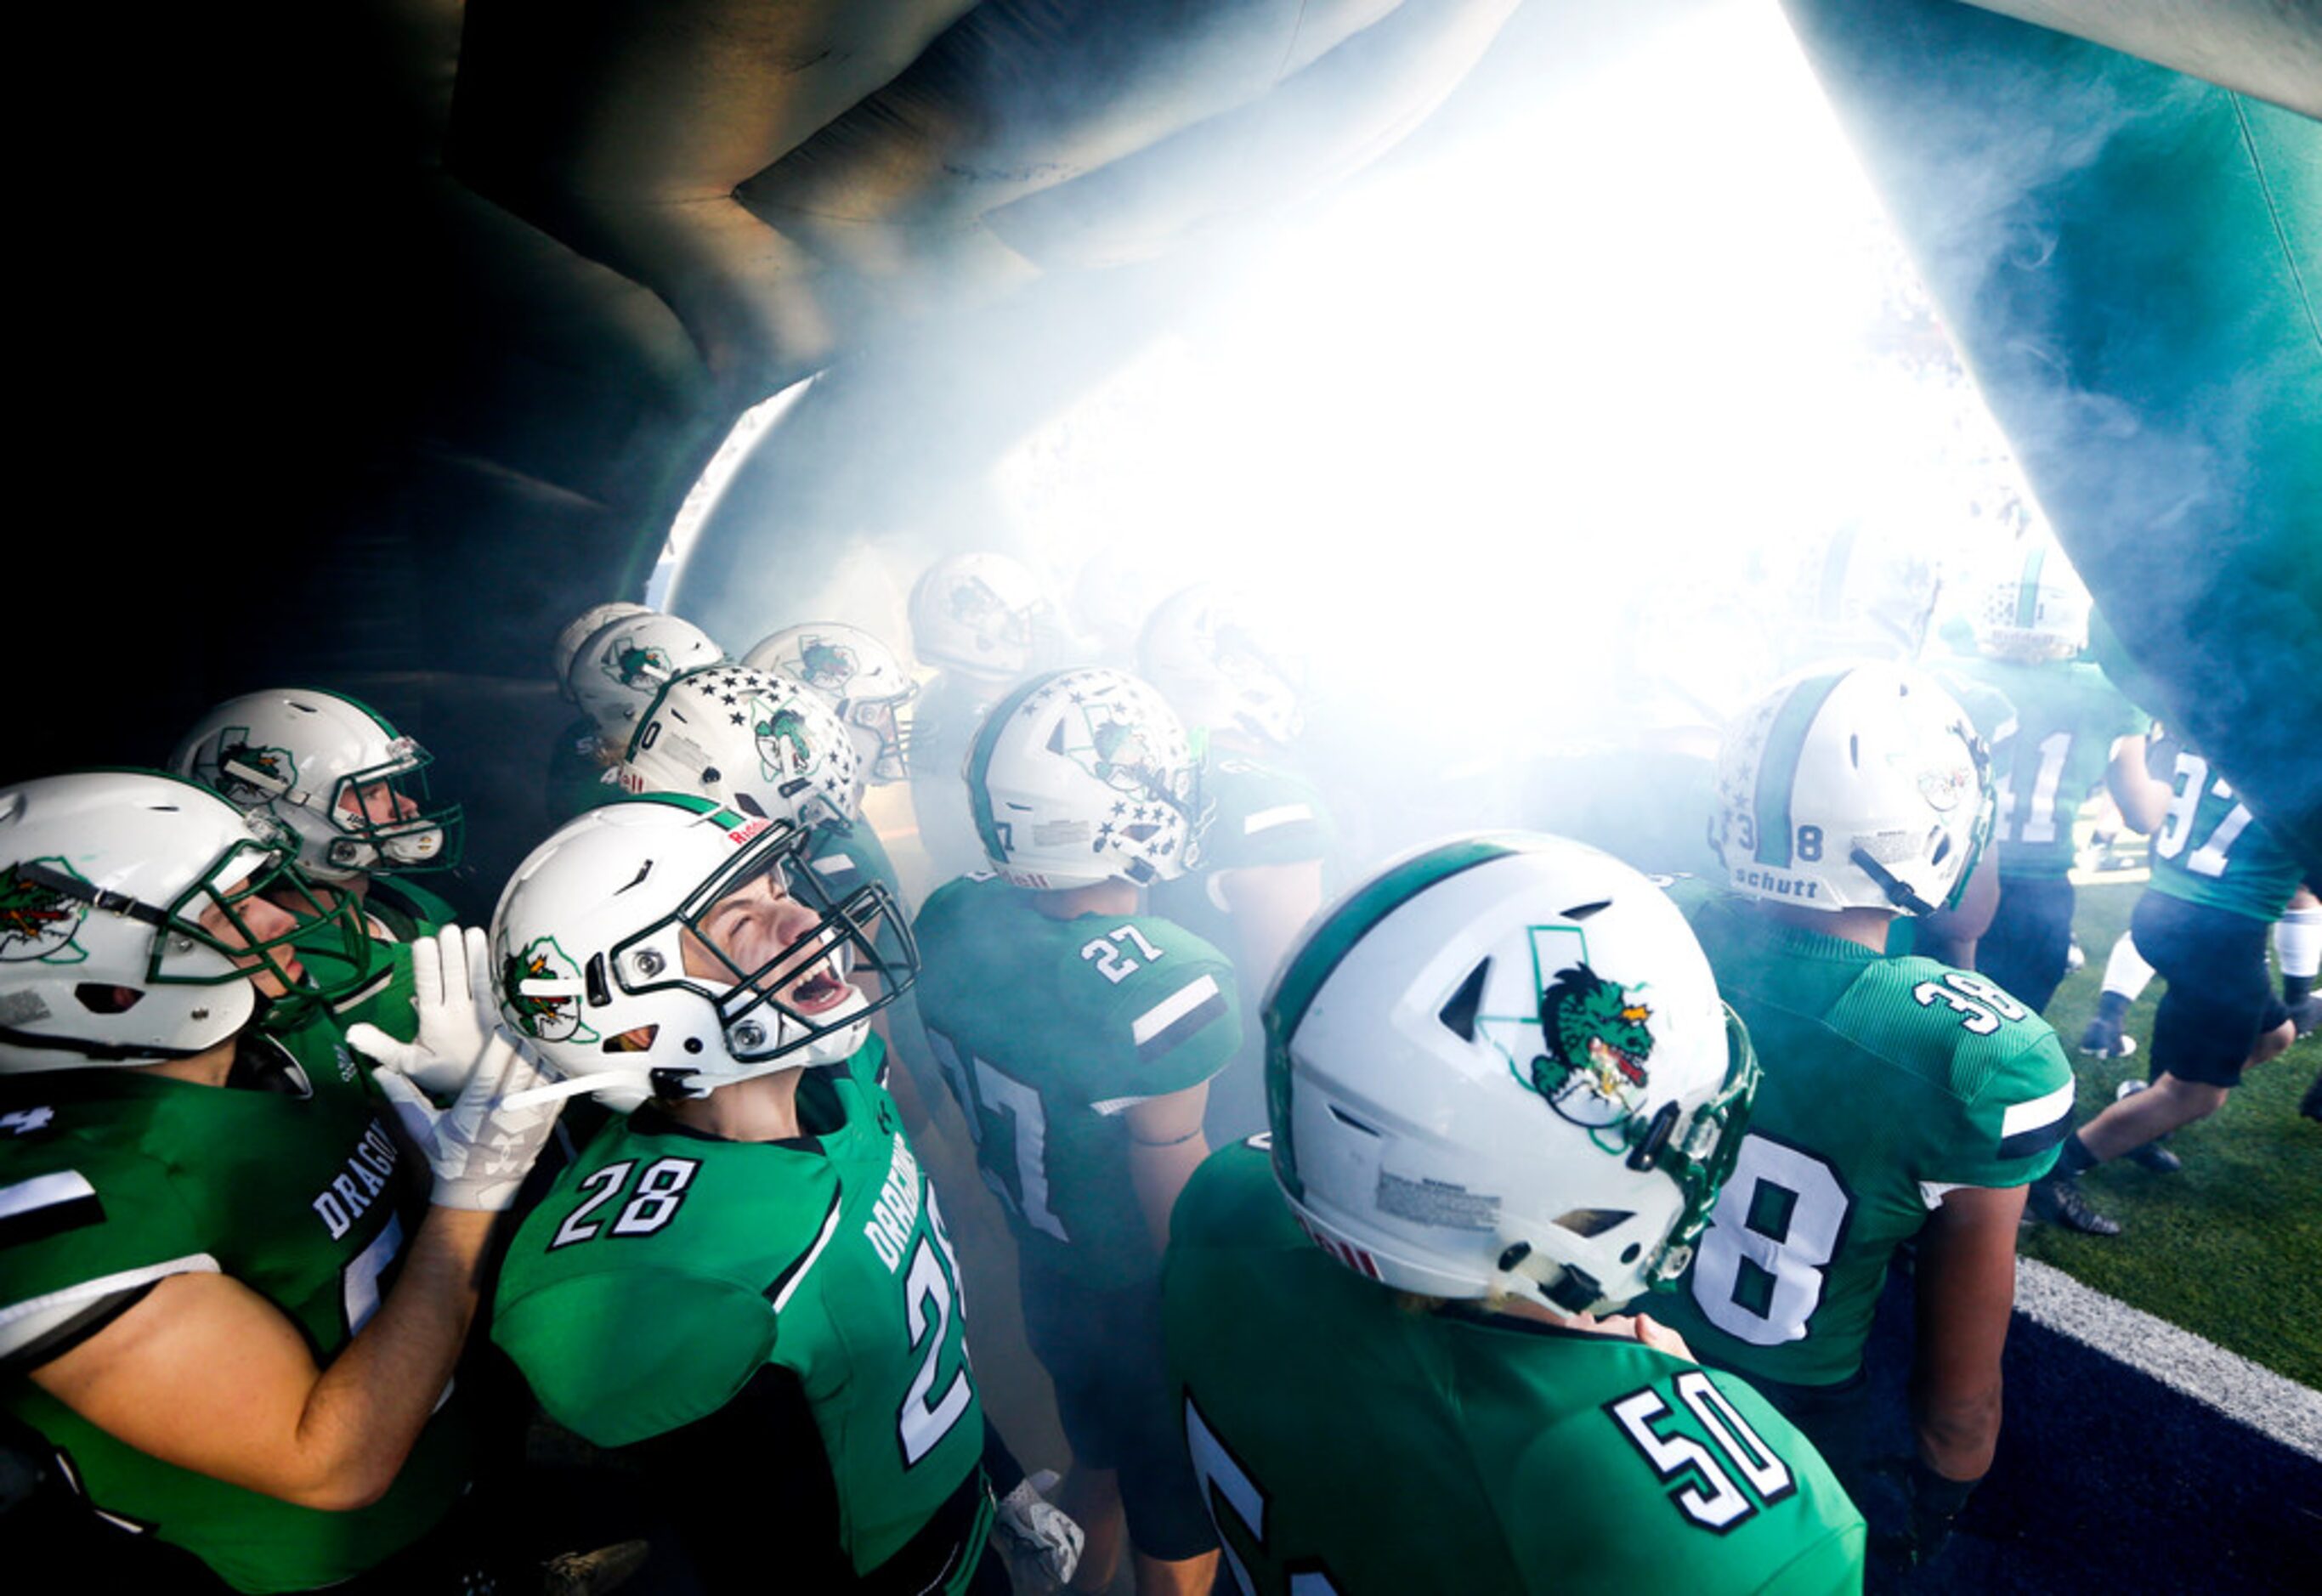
(1778, 767)
(1328, 944)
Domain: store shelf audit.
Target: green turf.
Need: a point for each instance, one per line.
(2230, 1248)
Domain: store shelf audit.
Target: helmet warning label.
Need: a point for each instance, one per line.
(1438, 1203)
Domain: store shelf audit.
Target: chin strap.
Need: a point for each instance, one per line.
(1897, 893)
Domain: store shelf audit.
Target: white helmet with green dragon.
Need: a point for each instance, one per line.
(1499, 1067)
(747, 739)
(1852, 786)
(578, 630)
(859, 677)
(623, 666)
(1084, 775)
(669, 944)
(335, 771)
(1223, 669)
(127, 921)
(979, 613)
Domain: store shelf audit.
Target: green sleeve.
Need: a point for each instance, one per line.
(1265, 818)
(88, 1223)
(628, 1353)
(2014, 1124)
(1177, 1020)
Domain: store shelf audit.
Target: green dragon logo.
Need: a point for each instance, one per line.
(547, 1017)
(783, 749)
(252, 772)
(1594, 1072)
(828, 667)
(636, 666)
(36, 920)
(1123, 760)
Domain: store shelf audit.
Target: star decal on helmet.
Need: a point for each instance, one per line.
(546, 1016)
(1597, 1040)
(37, 921)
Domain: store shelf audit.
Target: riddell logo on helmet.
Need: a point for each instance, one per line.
(1775, 885)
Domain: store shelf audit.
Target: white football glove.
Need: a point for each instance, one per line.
(1038, 1530)
(451, 993)
(480, 1147)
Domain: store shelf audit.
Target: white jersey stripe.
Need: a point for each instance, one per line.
(2039, 1112)
(1172, 1008)
(1280, 815)
(798, 1277)
(43, 1191)
(2270, 1404)
(24, 1323)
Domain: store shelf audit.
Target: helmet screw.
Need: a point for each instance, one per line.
(749, 1033)
(693, 1044)
(650, 963)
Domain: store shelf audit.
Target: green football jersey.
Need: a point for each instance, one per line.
(2068, 716)
(1886, 1082)
(1351, 1445)
(576, 774)
(1048, 1031)
(665, 1269)
(386, 995)
(286, 1179)
(2211, 849)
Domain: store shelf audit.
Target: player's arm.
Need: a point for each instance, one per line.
(1965, 1289)
(1165, 1146)
(1270, 905)
(2143, 800)
(205, 1374)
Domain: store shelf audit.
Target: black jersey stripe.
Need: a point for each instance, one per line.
(2023, 1144)
(1186, 1025)
(47, 1205)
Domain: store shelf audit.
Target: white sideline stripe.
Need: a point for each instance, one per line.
(2039, 1111)
(43, 1191)
(2268, 1403)
(1172, 1008)
(1280, 815)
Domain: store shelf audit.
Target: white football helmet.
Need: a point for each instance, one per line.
(352, 787)
(623, 666)
(979, 613)
(105, 955)
(1501, 1067)
(1084, 775)
(1865, 591)
(668, 945)
(859, 677)
(1201, 650)
(1852, 787)
(2038, 610)
(578, 630)
(749, 739)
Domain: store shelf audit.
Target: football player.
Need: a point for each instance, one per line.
(612, 660)
(353, 792)
(1503, 1096)
(223, 1296)
(1079, 1036)
(1904, 1101)
(980, 620)
(862, 679)
(1268, 831)
(744, 1283)
(2074, 731)
(2219, 880)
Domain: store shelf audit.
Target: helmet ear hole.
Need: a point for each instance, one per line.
(1458, 1013)
(98, 998)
